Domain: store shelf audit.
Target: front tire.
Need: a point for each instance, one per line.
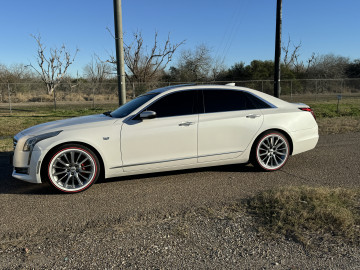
(271, 151)
(71, 168)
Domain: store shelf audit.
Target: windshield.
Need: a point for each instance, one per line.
(132, 105)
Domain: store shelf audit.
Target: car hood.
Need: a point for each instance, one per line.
(68, 124)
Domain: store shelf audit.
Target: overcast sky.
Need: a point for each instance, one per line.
(236, 30)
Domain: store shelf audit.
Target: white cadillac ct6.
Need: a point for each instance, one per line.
(171, 128)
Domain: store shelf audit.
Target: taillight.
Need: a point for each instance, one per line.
(308, 110)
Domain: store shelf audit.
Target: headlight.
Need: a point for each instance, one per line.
(30, 143)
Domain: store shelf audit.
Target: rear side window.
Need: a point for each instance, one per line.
(175, 104)
(260, 104)
(226, 100)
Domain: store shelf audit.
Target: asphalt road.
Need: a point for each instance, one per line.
(30, 209)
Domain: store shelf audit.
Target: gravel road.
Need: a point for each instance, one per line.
(170, 220)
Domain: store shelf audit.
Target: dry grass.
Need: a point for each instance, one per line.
(339, 125)
(301, 212)
(24, 97)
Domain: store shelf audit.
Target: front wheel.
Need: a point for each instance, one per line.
(71, 168)
(271, 151)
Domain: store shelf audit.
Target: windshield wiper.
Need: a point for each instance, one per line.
(107, 113)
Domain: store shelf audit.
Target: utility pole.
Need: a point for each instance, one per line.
(119, 42)
(277, 49)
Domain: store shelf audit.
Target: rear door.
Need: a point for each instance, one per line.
(227, 125)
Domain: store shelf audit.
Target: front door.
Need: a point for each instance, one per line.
(168, 140)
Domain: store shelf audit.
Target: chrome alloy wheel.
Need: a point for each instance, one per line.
(272, 151)
(72, 169)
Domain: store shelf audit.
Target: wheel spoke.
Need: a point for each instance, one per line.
(268, 159)
(84, 160)
(281, 143)
(276, 142)
(59, 180)
(58, 173)
(62, 162)
(66, 158)
(87, 166)
(78, 180)
(271, 141)
(279, 157)
(274, 158)
(67, 180)
(72, 157)
(85, 178)
(78, 157)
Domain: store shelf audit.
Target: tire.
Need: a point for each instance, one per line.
(71, 168)
(271, 151)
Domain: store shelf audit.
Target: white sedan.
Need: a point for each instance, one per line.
(171, 128)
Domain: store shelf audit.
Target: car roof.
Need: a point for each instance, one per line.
(268, 98)
(168, 88)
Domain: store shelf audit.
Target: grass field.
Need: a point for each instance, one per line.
(329, 118)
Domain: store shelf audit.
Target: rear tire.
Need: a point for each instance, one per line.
(270, 151)
(71, 168)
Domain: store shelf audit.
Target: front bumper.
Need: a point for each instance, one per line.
(21, 160)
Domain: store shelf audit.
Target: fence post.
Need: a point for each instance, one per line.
(93, 97)
(291, 88)
(9, 91)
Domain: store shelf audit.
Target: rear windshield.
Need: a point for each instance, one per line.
(132, 105)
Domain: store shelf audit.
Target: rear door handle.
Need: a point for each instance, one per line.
(186, 124)
(253, 116)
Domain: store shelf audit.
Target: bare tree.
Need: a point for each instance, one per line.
(291, 57)
(146, 66)
(218, 69)
(195, 65)
(328, 66)
(96, 72)
(52, 66)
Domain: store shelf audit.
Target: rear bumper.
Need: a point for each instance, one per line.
(304, 140)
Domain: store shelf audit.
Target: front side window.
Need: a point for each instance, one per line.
(175, 104)
(132, 105)
(225, 101)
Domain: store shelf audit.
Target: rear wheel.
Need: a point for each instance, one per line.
(71, 168)
(271, 151)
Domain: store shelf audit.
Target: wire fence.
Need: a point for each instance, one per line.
(106, 92)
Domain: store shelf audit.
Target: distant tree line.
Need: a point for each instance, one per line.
(157, 65)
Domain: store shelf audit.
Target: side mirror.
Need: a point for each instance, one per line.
(148, 115)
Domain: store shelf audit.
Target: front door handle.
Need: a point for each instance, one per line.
(253, 116)
(186, 124)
